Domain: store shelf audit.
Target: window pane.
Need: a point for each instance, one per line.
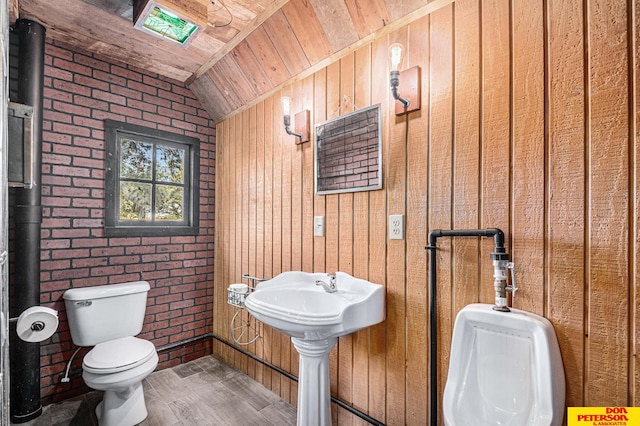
(170, 167)
(136, 159)
(169, 202)
(135, 201)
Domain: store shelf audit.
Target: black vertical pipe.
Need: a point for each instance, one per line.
(24, 356)
(498, 238)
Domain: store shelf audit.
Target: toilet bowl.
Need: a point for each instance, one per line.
(108, 318)
(118, 367)
(505, 369)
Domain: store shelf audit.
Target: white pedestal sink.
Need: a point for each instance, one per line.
(314, 318)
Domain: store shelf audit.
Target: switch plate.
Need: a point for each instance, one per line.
(318, 226)
(396, 227)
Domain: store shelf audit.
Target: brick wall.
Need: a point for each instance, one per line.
(81, 91)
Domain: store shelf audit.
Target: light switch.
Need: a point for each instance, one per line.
(318, 226)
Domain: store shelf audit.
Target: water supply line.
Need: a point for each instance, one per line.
(500, 260)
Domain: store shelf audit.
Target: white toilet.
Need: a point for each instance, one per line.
(108, 317)
(505, 369)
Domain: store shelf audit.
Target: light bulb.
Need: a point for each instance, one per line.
(286, 105)
(395, 56)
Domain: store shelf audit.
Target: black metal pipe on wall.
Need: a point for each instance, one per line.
(498, 237)
(24, 357)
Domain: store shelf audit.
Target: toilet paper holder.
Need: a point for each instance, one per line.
(36, 324)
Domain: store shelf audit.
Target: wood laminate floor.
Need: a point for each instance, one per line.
(203, 392)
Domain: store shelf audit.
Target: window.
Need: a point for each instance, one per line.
(152, 181)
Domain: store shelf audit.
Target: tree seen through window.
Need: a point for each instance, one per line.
(151, 181)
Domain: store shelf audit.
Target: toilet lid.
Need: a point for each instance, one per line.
(117, 355)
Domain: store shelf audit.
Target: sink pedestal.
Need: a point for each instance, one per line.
(314, 397)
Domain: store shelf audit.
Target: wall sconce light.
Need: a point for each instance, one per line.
(302, 121)
(406, 82)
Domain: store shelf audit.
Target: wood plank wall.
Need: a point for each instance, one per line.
(529, 123)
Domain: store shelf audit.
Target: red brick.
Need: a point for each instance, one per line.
(88, 202)
(171, 96)
(105, 115)
(56, 159)
(57, 94)
(71, 108)
(88, 183)
(56, 138)
(109, 77)
(91, 82)
(126, 111)
(56, 52)
(91, 103)
(91, 62)
(76, 89)
(109, 271)
(87, 122)
(143, 106)
(89, 262)
(66, 273)
(70, 129)
(88, 223)
(141, 87)
(148, 80)
(69, 171)
(128, 74)
(140, 267)
(70, 254)
(170, 112)
(58, 234)
(57, 73)
(156, 118)
(74, 67)
(156, 100)
(109, 97)
(59, 243)
(67, 191)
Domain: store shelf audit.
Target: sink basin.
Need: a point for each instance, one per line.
(315, 318)
(295, 305)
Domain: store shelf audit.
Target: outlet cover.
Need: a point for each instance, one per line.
(396, 227)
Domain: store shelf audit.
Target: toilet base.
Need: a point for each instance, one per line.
(122, 407)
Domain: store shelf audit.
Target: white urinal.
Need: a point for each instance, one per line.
(505, 369)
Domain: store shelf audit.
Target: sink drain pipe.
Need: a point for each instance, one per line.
(290, 376)
(500, 259)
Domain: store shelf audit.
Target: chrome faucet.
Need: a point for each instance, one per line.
(331, 287)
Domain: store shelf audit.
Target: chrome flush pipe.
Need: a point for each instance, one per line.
(500, 264)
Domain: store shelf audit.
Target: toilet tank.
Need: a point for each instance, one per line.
(102, 313)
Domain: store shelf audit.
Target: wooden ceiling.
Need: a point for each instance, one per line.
(248, 49)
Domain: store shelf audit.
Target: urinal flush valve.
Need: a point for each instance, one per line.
(500, 265)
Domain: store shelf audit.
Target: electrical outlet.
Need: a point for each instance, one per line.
(396, 227)
(318, 226)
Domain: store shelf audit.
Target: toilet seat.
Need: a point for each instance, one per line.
(118, 355)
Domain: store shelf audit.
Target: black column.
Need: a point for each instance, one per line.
(25, 357)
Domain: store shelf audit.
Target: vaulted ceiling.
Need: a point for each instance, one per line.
(247, 49)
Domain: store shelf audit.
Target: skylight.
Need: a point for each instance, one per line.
(162, 22)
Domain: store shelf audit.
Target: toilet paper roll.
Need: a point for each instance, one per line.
(239, 288)
(37, 323)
